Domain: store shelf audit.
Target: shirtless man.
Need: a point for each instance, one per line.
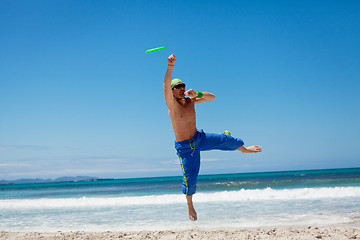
(189, 141)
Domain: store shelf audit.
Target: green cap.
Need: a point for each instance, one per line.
(174, 82)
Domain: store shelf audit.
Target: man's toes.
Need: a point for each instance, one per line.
(193, 218)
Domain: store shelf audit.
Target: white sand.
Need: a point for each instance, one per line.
(333, 233)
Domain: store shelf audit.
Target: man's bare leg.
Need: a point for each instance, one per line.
(252, 149)
(191, 209)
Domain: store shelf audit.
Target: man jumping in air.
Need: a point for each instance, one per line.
(189, 141)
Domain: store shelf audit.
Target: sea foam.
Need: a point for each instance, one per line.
(224, 196)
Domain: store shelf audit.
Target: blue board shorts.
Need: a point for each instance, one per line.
(189, 154)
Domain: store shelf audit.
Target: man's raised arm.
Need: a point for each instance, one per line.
(167, 81)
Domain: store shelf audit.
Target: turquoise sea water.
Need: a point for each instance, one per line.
(226, 201)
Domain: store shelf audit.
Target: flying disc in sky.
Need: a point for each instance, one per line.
(155, 49)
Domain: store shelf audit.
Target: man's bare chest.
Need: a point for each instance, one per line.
(181, 110)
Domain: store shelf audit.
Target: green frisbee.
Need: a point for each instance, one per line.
(155, 49)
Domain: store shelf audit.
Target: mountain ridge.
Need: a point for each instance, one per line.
(48, 180)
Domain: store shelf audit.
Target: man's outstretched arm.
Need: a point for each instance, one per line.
(167, 81)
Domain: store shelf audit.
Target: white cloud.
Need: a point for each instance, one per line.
(14, 165)
(93, 172)
(177, 161)
(3, 148)
(22, 147)
(213, 159)
(170, 162)
(147, 170)
(102, 159)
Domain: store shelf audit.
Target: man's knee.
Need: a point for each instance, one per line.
(189, 190)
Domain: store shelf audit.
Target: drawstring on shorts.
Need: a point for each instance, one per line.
(192, 154)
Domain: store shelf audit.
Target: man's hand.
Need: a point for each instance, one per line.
(191, 93)
(171, 59)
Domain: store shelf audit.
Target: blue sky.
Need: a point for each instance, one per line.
(79, 96)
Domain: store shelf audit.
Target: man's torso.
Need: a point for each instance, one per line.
(183, 119)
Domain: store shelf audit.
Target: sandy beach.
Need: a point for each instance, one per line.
(307, 233)
(314, 205)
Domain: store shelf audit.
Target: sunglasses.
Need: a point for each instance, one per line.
(181, 85)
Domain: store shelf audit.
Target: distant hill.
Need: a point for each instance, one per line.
(40, 180)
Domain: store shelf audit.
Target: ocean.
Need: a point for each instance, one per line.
(224, 201)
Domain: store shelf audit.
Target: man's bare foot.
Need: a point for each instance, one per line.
(192, 213)
(191, 209)
(252, 149)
